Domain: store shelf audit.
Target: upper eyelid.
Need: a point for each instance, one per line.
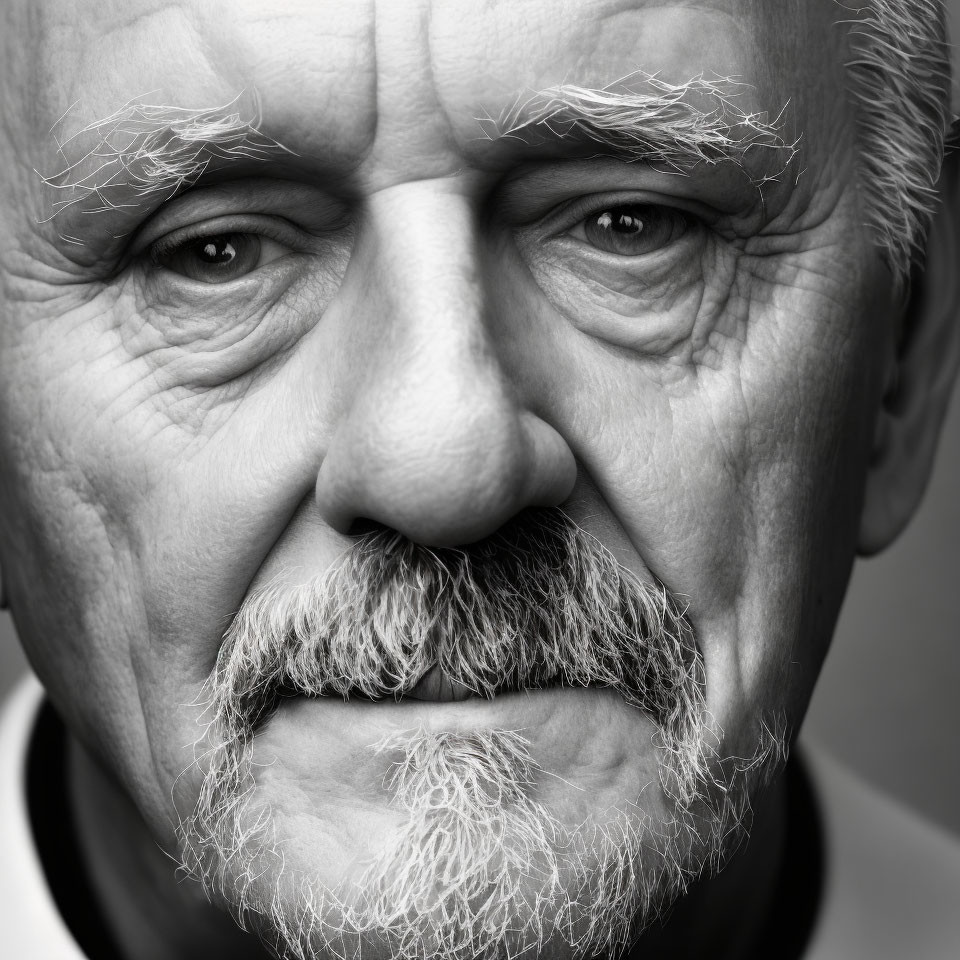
(276, 228)
(569, 212)
(307, 211)
(216, 227)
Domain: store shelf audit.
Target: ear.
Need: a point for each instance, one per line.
(912, 412)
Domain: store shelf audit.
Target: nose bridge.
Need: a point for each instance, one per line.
(423, 259)
(433, 442)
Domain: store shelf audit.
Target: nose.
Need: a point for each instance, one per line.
(435, 439)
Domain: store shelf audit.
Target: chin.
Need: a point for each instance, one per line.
(471, 830)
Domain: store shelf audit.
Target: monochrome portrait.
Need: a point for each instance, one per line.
(436, 439)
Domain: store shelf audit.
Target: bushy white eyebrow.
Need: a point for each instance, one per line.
(144, 151)
(641, 117)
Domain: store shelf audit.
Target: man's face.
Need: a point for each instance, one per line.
(410, 318)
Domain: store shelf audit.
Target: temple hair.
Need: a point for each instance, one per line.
(900, 83)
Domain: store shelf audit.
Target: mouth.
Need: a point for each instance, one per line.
(437, 695)
(435, 686)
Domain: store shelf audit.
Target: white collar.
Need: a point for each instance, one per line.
(29, 918)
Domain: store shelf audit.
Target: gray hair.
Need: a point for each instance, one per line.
(900, 85)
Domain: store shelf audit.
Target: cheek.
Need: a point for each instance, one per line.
(69, 547)
(76, 604)
(81, 458)
(734, 462)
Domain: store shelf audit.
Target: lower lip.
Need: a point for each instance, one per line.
(553, 720)
(319, 758)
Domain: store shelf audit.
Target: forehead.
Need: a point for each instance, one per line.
(399, 87)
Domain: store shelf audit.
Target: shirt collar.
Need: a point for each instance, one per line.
(31, 924)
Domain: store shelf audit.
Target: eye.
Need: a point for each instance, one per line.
(631, 229)
(216, 257)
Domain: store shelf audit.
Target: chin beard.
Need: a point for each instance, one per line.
(479, 869)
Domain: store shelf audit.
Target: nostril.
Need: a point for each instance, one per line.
(363, 526)
(384, 538)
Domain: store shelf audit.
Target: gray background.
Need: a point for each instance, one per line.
(888, 701)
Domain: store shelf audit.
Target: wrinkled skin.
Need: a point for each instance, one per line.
(430, 343)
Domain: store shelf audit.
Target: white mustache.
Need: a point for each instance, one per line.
(539, 604)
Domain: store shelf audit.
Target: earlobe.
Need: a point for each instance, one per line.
(915, 403)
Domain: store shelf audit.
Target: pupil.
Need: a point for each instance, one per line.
(620, 222)
(218, 250)
(633, 229)
(215, 258)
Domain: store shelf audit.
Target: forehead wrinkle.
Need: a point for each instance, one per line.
(414, 133)
(641, 117)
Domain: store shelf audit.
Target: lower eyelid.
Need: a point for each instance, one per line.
(577, 259)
